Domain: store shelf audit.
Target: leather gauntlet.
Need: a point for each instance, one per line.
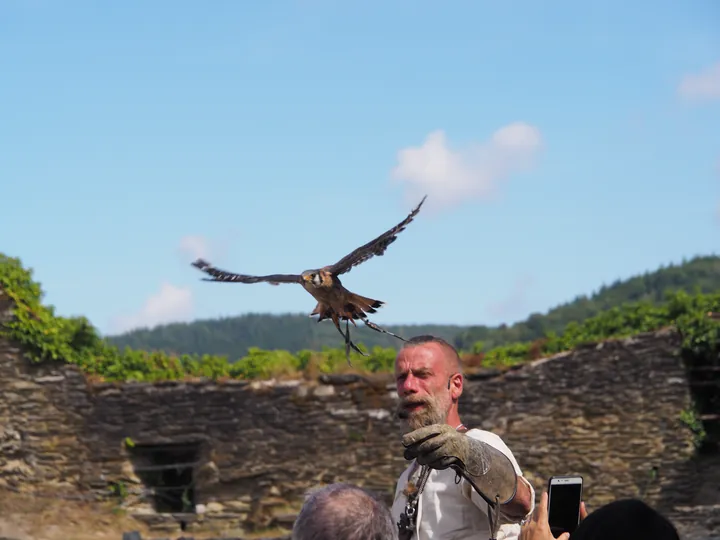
(488, 470)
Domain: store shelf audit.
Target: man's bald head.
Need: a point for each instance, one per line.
(454, 363)
(344, 511)
(429, 381)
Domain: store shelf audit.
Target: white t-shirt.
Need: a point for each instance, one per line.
(450, 511)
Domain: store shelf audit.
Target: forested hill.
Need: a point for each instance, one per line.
(293, 332)
(701, 274)
(232, 336)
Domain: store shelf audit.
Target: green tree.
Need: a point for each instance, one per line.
(49, 338)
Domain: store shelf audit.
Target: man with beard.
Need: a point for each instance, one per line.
(455, 472)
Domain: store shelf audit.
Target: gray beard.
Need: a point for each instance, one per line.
(425, 417)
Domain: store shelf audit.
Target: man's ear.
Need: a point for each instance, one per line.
(456, 385)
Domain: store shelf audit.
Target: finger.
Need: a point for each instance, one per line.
(421, 453)
(425, 447)
(431, 444)
(436, 461)
(583, 511)
(564, 536)
(443, 463)
(438, 455)
(421, 434)
(540, 514)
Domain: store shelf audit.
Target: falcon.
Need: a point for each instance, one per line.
(334, 301)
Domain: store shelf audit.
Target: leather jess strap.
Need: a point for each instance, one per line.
(407, 523)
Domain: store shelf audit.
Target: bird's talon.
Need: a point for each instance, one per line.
(336, 298)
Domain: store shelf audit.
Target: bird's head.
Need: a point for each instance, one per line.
(312, 277)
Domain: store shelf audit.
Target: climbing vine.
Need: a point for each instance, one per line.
(48, 337)
(689, 419)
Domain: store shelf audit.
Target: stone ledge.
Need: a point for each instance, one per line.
(271, 441)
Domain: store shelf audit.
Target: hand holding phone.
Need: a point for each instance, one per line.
(564, 498)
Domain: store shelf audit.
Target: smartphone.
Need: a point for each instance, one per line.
(564, 497)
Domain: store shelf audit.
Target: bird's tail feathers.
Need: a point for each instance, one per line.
(368, 305)
(201, 264)
(356, 307)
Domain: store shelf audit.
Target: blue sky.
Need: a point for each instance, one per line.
(562, 145)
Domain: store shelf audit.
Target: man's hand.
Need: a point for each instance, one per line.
(438, 446)
(487, 469)
(538, 527)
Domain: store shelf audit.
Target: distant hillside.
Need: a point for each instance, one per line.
(233, 336)
(701, 274)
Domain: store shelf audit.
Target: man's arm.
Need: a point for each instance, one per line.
(488, 468)
(517, 509)
(522, 503)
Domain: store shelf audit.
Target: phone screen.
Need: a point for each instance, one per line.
(564, 507)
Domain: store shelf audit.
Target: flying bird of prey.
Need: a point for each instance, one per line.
(334, 301)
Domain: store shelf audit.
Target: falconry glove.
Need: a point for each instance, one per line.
(488, 470)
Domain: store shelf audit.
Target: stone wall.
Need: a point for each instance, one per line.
(42, 411)
(610, 412)
(261, 445)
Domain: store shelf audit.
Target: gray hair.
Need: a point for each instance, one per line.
(344, 512)
(428, 338)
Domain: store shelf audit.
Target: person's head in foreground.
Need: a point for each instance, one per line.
(344, 512)
(626, 519)
(429, 381)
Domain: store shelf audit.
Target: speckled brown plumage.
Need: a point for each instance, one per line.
(334, 301)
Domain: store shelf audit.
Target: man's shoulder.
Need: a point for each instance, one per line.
(482, 434)
(493, 439)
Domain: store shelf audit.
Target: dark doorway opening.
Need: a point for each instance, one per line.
(167, 471)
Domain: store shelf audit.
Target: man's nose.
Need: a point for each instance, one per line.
(408, 386)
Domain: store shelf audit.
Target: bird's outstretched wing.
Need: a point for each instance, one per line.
(222, 275)
(374, 247)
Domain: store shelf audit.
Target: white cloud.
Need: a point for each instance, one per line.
(704, 85)
(451, 176)
(195, 247)
(170, 304)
